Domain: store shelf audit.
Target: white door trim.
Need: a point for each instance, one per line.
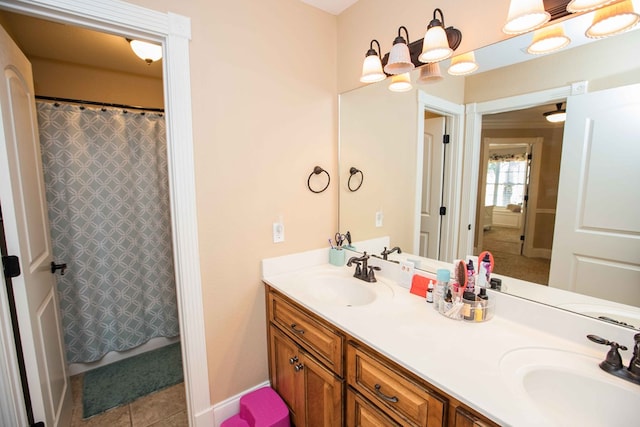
(174, 31)
(453, 180)
(472, 151)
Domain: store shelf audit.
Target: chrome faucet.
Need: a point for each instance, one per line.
(613, 362)
(385, 253)
(363, 271)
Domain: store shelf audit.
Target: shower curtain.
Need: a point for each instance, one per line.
(107, 190)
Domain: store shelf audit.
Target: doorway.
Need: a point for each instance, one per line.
(173, 31)
(517, 189)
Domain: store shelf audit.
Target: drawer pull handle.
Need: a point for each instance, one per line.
(391, 399)
(299, 367)
(297, 331)
(293, 360)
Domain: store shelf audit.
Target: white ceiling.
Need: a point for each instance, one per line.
(334, 7)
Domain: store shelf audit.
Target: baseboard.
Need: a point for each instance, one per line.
(231, 406)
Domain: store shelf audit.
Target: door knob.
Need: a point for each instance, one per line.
(61, 267)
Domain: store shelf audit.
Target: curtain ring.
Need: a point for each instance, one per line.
(317, 171)
(353, 171)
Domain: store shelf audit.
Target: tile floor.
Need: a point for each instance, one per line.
(164, 408)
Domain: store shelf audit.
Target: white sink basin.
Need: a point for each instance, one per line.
(340, 288)
(568, 388)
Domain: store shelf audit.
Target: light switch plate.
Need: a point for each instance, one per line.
(406, 273)
(278, 232)
(379, 218)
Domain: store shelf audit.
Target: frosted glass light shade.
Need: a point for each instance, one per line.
(430, 73)
(372, 70)
(614, 19)
(435, 46)
(463, 64)
(547, 40)
(400, 83)
(399, 60)
(146, 51)
(557, 117)
(575, 6)
(525, 15)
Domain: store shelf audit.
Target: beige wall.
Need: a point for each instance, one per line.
(264, 114)
(64, 80)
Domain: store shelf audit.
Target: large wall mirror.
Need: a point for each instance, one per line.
(401, 186)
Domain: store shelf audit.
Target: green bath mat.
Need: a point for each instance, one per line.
(122, 382)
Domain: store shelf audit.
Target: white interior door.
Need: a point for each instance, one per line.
(596, 244)
(22, 194)
(431, 199)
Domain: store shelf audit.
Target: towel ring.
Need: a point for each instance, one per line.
(353, 171)
(317, 171)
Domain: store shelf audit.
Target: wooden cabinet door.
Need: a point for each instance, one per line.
(285, 355)
(464, 418)
(323, 392)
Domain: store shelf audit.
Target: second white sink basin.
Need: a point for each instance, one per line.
(568, 388)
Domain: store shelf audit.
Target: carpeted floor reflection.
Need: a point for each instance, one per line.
(504, 243)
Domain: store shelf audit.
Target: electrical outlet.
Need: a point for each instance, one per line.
(278, 232)
(379, 218)
(406, 273)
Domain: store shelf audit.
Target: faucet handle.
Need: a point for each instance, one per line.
(613, 361)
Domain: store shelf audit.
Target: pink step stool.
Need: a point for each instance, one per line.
(260, 408)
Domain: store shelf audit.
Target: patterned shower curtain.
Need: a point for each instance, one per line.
(107, 189)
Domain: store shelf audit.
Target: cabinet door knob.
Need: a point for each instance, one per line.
(296, 330)
(391, 399)
(299, 367)
(293, 360)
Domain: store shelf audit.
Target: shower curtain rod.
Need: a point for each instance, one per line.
(100, 104)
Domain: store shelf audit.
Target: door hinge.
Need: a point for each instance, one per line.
(11, 264)
(526, 197)
(469, 227)
(443, 210)
(522, 238)
(529, 156)
(445, 139)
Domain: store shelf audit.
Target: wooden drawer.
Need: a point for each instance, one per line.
(407, 401)
(362, 413)
(311, 333)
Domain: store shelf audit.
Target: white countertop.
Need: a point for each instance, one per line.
(460, 358)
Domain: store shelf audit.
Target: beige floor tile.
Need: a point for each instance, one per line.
(178, 420)
(116, 417)
(76, 389)
(158, 406)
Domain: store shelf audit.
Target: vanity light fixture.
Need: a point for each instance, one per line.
(525, 15)
(614, 19)
(556, 116)
(430, 73)
(400, 82)
(372, 65)
(576, 6)
(463, 64)
(399, 57)
(439, 42)
(146, 51)
(548, 39)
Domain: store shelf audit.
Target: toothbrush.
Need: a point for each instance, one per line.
(331, 244)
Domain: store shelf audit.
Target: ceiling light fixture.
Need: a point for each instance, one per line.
(399, 57)
(548, 39)
(400, 83)
(556, 116)
(463, 64)
(525, 15)
(439, 42)
(576, 6)
(372, 65)
(146, 51)
(614, 19)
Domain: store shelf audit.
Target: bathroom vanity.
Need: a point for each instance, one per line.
(346, 352)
